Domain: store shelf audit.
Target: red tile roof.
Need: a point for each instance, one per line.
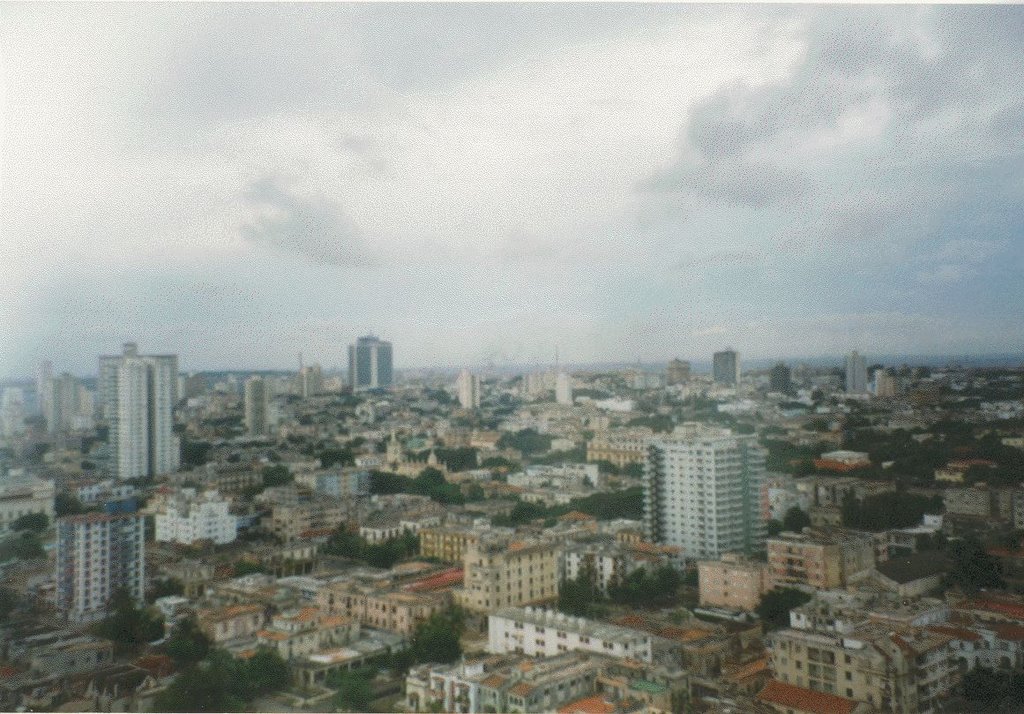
(805, 700)
(960, 633)
(1011, 633)
(445, 579)
(588, 705)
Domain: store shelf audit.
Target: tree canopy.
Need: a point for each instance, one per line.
(775, 606)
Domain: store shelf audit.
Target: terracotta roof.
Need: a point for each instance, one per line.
(576, 516)
(444, 579)
(1014, 633)
(493, 682)
(522, 689)
(1001, 607)
(588, 705)
(749, 670)
(805, 700)
(960, 633)
(306, 614)
(272, 635)
(336, 620)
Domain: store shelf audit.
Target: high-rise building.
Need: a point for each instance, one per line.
(138, 393)
(310, 381)
(44, 385)
(64, 404)
(678, 372)
(12, 411)
(702, 489)
(780, 379)
(369, 363)
(257, 404)
(885, 383)
(856, 374)
(726, 368)
(97, 553)
(469, 390)
(563, 389)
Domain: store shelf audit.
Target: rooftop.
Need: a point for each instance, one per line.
(805, 700)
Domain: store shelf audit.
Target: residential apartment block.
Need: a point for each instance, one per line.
(818, 559)
(733, 582)
(545, 633)
(189, 517)
(501, 572)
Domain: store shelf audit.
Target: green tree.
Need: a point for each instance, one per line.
(129, 627)
(247, 567)
(268, 672)
(774, 527)
(775, 606)
(67, 505)
(187, 644)
(32, 522)
(578, 595)
(795, 520)
(438, 639)
(8, 601)
(972, 567)
(164, 587)
(277, 475)
(354, 692)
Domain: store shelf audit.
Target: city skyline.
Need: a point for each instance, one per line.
(620, 181)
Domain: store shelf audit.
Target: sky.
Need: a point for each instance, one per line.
(486, 183)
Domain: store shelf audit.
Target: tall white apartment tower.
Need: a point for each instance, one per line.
(702, 490)
(138, 394)
(98, 553)
(257, 407)
(856, 374)
(469, 390)
(563, 389)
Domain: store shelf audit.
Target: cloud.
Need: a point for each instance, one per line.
(314, 226)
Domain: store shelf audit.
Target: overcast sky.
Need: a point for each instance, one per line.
(236, 183)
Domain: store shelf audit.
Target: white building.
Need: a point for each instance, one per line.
(97, 554)
(12, 412)
(257, 407)
(100, 491)
(536, 632)
(702, 489)
(189, 517)
(563, 389)
(856, 374)
(23, 496)
(566, 476)
(138, 394)
(469, 390)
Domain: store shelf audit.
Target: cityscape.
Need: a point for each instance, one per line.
(486, 358)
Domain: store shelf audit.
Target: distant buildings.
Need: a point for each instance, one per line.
(856, 374)
(780, 379)
(97, 554)
(12, 412)
(257, 406)
(563, 389)
(884, 383)
(369, 364)
(23, 496)
(469, 390)
(678, 372)
(726, 368)
(702, 489)
(190, 517)
(138, 394)
(310, 381)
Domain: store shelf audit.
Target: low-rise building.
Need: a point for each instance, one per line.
(734, 582)
(620, 446)
(819, 559)
(545, 633)
(234, 622)
(23, 496)
(393, 610)
(189, 517)
(297, 634)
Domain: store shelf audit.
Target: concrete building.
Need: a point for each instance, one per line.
(310, 381)
(257, 407)
(856, 374)
(818, 559)
(702, 489)
(537, 632)
(138, 394)
(22, 496)
(369, 364)
(393, 610)
(504, 572)
(678, 372)
(780, 379)
(469, 390)
(892, 669)
(563, 389)
(604, 562)
(884, 383)
(734, 582)
(450, 543)
(725, 368)
(620, 446)
(189, 517)
(97, 554)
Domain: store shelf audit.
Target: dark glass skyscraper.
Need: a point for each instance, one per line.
(369, 364)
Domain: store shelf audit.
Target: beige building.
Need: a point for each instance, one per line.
(821, 560)
(234, 622)
(291, 521)
(508, 573)
(620, 446)
(732, 582)
(395, 610)
(893, 669)
(23, 496)
(296, 634)
(447, 543)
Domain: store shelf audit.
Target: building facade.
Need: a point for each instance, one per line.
(545, 633)
(257, 407)
(508, 573)
(369, 364)
(702, 489)
(469, 390)
(856, 374)
(732, 582)
(725, 368)
(138, 394)
(189, 517)
(24, 496)
(96, 555)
